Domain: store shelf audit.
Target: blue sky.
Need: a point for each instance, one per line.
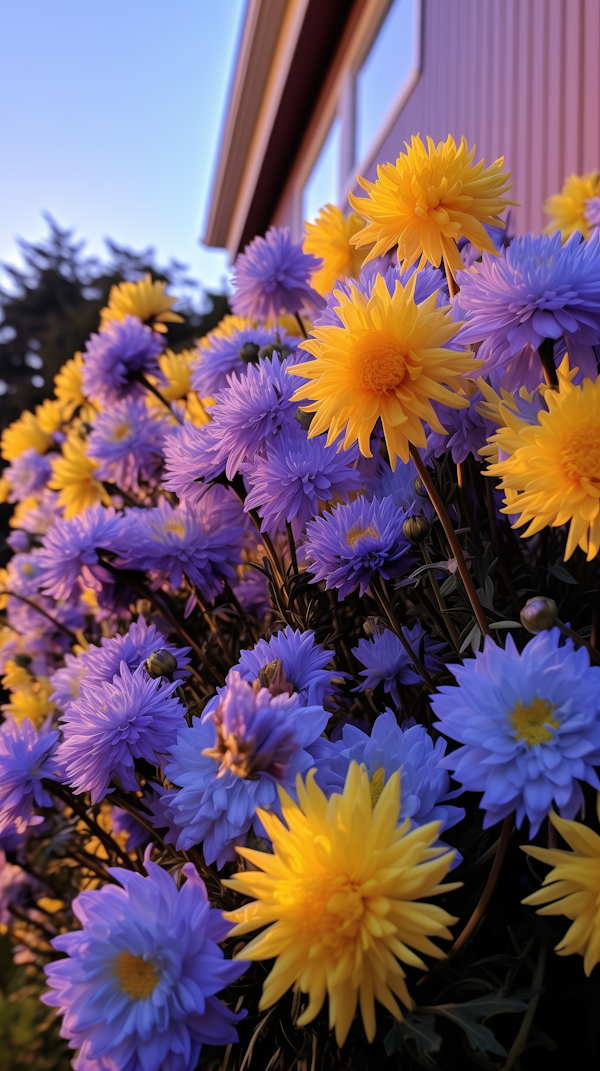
(112, 112)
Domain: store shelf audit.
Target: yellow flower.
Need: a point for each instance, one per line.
(567, 208)
(16, 676)
(553, 471)
(73, 476)
(329, 238)
(226, 327)
(572, 888)
(5, 488)
(176, 367)
(339, 899)
(429, 199)
(386, 361)
(23, 434)
(49, 415)
(196, 409)
(31, 702)
(145, 299)
(68, 386)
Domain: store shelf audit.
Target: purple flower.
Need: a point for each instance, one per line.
(137, 987)
(537, 289)
(26, 756)
(66, 681)
(18, 540)
(592, 211)
(466, 432)
(113, 357)
(226, 355)
(112, 724)
(352, 543)
(294, 478)
(28, 474)
(69, 550)
(252, 592)
(24, 573)
(529, 726)
(428, 281)
(385, 659)
(46, 512)
(303, 662)
(399, 485)
(126, 441)
(271, 277)
(202, 541)
(232, 761)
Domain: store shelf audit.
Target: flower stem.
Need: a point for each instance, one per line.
(546, 352)
(300, 324)
(39, 610)
(453, 541)
(439, 599)
(383, 599)
(536, 984)
(105, 839)
(141, 378)
(453, 287)
(486, 895)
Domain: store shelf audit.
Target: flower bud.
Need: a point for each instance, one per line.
(249, 353)
(539, 613)
(161, 664)
(416, 528)
(22, 660)
(419, 487)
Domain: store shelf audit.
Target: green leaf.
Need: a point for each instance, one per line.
(468, 1017)
(562, 574)
(470, 637)
(420, 1030)
(506, 624)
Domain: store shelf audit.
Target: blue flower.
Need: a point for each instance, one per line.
(294, 478)
(529, 726)
(428, 281)
(424, 787)
(271, 277)
(126, 442)
(24, 573)
(28, 474)
(385, 659)
(226, 355)
(352, 543)
(231, 762)
(113, 357)
(466, 432)
(537, 289)
(69, 550)
(26, 756)
(137, 987)
(399, 485)
(303, 662)
(114, 722)
(202, 541)
(66, 681)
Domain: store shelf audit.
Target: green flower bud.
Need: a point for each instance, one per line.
(161, 664)
(416, 528)
(539, 614)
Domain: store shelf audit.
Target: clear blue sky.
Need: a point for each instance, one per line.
(111, 118)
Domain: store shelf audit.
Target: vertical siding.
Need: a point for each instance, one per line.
(521, 79)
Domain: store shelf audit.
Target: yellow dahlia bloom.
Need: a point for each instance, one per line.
(388, 361)
(23, 434)
(31, 701)
(50, 415)
(73, 476)
(429, 199)
(567, 208)
(226, 327)
(176, 367)
(197, 409)
(145, 299)
(329, 239)
(68, 387)
(552, 475)
(5, 489)
(572, 888)
(339, 897)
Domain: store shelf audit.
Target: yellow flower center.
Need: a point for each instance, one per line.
(358, 532)
(27, 569)
(376, 786)
(175, 526)
(378, 363)
(120, 432)
(137, 975)
(581, 453)
(530, 722)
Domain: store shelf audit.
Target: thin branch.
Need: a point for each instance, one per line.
(45, 613)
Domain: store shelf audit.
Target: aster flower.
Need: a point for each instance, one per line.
(36, 515)
(336, 860)
(73, 476)
(111, 358)
(68, 386)
(429, 199)
(226, 354)
(592, 211)
(535, 290)
(303, 662)
(297, 475)
(30, 703)
(147, 955)
(552, 473)
(568, 208)
(427, 282)
(571, 888)
(145, 299)
(66, 681)
(424, 787)
(529, 726)
(26, 757)
(176, 378)
(399, 485)
(389, 360)
(230, 763)
(24, 573)
(69, 550)
(328, 239)
(202, 541)
(271, 277)
(113, 723)
(385, 659)
(23, 434)
(466, 431)
(252, 592)
(28, 474)
(348, 546)
(126, 443)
